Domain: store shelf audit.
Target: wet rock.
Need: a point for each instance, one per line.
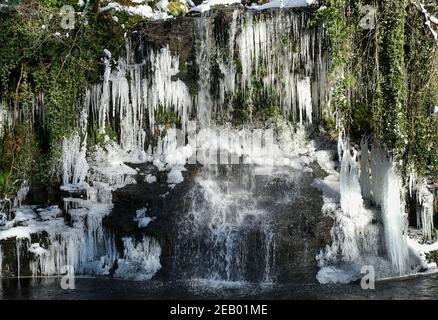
(3, 219)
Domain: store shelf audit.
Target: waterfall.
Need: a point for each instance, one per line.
(231, 231)
(228, 61)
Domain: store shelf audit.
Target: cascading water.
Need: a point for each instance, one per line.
(231, 237)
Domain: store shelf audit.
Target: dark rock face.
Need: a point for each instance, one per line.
(302, 232)
(163, 203)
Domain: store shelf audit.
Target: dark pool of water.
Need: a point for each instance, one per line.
(425, 287)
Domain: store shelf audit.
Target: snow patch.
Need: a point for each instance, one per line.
(208, 4)
(328, 275)
(175, 176)
(283, 4)
(142, 219)
(150, 178)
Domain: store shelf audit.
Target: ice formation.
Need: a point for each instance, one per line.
(365, 170)
(21, 194)
(251, 40)
(3, 119)
(150, 178)
(356, 237)
(425, 211)
(83, 244)
(419, 190)
(296, 91)
(386, 192)
(142, 219)
(74, 162)
(141, 260)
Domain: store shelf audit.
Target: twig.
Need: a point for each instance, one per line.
(67, 56)
(430, 19)
(19, 80)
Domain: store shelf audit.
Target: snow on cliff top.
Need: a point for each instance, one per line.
(161, 10)
(283, 4)
(143, 11)
(208, 4)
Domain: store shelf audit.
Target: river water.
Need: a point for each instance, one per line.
(422, 287)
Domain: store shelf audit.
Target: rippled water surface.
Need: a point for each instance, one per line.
(424, 287)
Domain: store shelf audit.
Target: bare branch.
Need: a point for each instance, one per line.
(430, 19)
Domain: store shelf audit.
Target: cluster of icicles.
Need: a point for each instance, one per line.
(295, 72)
(46, 244)
(371, 225)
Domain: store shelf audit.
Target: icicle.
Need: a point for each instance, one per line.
(21, 194)
(304, 99)
(394, 220)
(378, 158)
(425, 210)
(365, 170)
(351, 198)
(386, 192)
(356, 220)
(298, 90)
(411, 182)
(75, 166)
(3, 119)
(356, 236)
(18, 244)
(104, 99)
